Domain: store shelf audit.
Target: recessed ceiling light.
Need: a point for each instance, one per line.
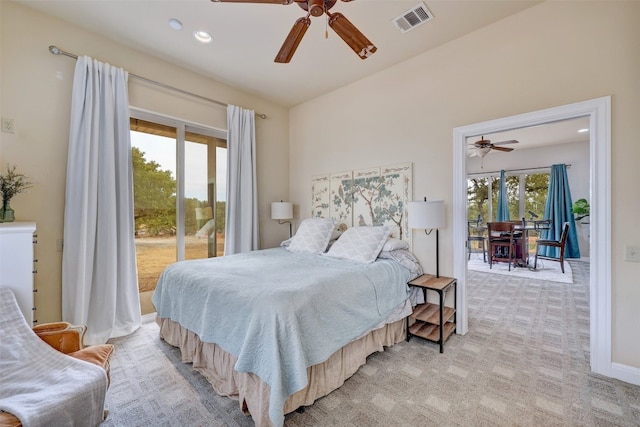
(202, 36)
(583, 130)
(175, 24)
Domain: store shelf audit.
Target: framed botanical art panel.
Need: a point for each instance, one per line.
(375, 196)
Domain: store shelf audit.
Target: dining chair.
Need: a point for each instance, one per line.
(560, 244)
(475, 233)
(502, 244)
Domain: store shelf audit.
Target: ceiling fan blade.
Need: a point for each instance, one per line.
(511, 141)
(502, 148)
(255, 1)
(351, 35)
(293, 40)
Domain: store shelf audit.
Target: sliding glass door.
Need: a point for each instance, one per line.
(205, 173)
(179, 173)
(526, 197)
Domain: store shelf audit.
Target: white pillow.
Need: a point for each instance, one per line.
(312, 236)
(360, 244)
(393, 244)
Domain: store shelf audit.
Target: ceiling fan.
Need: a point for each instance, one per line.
(341, 25)
(482, 147)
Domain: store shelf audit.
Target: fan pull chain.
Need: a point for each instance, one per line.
(326, 23)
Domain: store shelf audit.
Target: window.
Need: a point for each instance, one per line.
(526, 195)
(179, 179)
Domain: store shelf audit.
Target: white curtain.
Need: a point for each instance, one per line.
(99, 279)
(241, 231)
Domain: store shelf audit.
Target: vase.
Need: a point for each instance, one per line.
(8, 215)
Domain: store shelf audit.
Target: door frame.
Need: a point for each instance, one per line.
(599, 112)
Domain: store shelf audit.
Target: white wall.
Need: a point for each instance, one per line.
(36, 93)
(552, 54)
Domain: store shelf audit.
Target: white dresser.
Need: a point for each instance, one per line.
(17, 264)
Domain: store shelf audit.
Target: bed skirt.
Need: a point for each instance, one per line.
(216, 365)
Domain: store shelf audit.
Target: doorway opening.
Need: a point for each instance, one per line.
(599, 113)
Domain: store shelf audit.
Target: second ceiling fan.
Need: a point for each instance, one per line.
(341, 25)
(482, 147)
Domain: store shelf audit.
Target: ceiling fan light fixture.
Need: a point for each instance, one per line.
(482, 151)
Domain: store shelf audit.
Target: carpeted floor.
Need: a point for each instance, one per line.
(525, 362)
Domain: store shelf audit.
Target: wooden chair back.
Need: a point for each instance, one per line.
(501, 235)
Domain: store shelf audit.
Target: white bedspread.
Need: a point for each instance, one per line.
(38, 384)
(280, 312)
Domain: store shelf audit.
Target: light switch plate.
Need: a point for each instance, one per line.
(632, 253)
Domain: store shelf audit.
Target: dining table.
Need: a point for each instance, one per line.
(525, 227)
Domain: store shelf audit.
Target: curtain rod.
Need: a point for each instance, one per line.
(57, 51)
(515, 170)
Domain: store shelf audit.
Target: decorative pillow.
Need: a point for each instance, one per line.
(360, 244)
(393, 244)
(312, 236)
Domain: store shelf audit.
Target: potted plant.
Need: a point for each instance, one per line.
(581, 209)
(11, 183)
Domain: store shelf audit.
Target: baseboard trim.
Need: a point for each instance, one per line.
(628, 374)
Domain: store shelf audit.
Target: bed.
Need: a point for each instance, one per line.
(278, 328)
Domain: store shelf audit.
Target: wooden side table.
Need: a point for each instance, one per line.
(433, 322)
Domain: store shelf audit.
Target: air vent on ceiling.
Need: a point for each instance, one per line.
(413, 18)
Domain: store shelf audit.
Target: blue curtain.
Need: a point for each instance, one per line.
(503, 203)
(558, 209)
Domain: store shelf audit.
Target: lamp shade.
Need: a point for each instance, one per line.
(281, 210)
(425, 214)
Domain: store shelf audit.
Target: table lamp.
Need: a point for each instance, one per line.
(283, 212)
